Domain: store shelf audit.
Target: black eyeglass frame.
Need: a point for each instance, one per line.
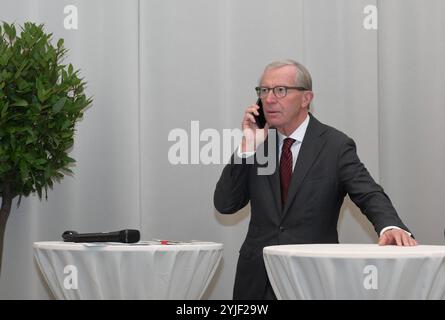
(258, 92)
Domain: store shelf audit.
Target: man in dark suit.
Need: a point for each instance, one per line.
(300, 201)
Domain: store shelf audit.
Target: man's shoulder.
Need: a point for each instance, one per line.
(327, 131)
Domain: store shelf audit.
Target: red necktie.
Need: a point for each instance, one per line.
(285, 168)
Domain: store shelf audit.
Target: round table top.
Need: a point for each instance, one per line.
(355, 250)
(117, 246)
(142, 270)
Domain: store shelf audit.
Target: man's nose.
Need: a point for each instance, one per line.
(270, 98)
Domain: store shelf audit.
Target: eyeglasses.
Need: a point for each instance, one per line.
(279, 92)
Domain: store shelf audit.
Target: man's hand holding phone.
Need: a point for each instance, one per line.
(253, 132)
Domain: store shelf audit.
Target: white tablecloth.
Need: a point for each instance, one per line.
(127, 271)
(356, 271)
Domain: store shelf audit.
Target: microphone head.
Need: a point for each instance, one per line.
(129, 236)
(68, 235)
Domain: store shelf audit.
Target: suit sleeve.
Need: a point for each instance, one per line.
(364, 191)
(231, 192)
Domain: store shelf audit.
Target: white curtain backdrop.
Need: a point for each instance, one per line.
(153, 66)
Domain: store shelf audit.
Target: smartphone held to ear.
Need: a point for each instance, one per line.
(260, 119)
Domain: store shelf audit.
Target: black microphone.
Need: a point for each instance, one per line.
(125, 236)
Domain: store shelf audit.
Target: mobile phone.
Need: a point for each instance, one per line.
(260, 119)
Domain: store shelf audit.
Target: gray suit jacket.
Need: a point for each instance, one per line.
(326, 170)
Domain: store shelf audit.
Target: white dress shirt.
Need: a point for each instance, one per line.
(298, 136)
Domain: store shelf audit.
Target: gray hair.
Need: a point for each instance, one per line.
(303, 77)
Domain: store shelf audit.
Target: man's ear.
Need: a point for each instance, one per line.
(307, 98)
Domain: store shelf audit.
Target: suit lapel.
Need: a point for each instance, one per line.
(309, 151)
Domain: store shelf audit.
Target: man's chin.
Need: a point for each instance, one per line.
(273, 123)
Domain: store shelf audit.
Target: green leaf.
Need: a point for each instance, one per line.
(4, 109)
(39, 193)
(59, 105)
(69, 143)
(10, 31)
(40, 90)
(66, 124)
(39, 161)
(24, 172)
(68, 170)
(29, 140)
(20, 103)
(47, 173)
(69, 160)
(19, 71)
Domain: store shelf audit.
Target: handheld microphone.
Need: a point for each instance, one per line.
(125, 236)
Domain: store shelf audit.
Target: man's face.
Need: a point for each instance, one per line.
(287, 113)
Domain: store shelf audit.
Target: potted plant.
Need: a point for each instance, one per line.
(41, 99)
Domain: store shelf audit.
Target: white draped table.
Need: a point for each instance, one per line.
(127, 271)
(356, 271)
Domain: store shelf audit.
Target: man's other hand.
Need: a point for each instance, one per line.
(396, 237)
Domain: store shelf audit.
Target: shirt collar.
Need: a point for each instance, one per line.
(298, 134)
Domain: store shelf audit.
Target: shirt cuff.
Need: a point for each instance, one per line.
(393, 227)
